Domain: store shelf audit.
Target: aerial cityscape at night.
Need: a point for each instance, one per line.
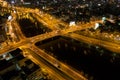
(59, 39)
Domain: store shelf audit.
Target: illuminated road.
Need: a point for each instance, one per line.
(108, 45)
(71, 72)
(17, 27)
(53, 71)
(54, 24)
(64, 68)
(35, 39)
(50, 21)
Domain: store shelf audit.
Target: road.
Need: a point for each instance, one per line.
(108, 45)
(47, 66)
(73, 73)
(37, 38)
(16, 27)
(54, 24)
